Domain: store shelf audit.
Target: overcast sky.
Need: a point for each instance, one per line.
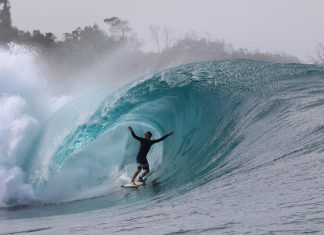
(291, 26)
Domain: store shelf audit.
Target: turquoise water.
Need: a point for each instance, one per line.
(246, 156)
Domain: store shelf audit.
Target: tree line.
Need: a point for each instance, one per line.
(117, 52)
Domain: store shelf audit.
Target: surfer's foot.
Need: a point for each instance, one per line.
(132, 183)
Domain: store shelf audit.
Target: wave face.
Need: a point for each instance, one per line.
(229, 117)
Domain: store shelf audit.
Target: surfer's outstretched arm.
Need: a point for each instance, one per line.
(162, 138)
(134, 135)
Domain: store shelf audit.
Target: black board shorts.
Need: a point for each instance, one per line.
(144, 166)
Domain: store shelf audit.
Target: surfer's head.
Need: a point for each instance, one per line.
(148, 135)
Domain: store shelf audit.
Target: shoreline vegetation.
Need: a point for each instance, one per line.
(91, 51)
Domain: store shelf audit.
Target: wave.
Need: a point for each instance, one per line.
(228, 117)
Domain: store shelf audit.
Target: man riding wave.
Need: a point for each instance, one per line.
(141, 161)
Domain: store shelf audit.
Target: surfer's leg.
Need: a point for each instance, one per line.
(135, 175)
(146, 169)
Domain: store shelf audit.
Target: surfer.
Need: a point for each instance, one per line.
(141, 161)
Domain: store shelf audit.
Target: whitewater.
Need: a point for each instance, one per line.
(246, 156)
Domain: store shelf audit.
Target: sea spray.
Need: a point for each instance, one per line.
(25, 104)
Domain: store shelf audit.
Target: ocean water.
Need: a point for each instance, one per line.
(247, 156)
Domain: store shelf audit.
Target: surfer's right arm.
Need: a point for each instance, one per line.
(134, 135)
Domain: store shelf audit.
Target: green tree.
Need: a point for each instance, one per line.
(118, 28)
(7, 33)
(5, 15)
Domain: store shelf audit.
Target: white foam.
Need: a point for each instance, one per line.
(13, 189)
(25, 103)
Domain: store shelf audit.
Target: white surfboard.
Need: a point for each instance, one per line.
(132, 185)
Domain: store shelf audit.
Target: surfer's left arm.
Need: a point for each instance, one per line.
(162, 138)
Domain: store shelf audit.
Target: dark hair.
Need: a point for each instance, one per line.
(150, 133)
